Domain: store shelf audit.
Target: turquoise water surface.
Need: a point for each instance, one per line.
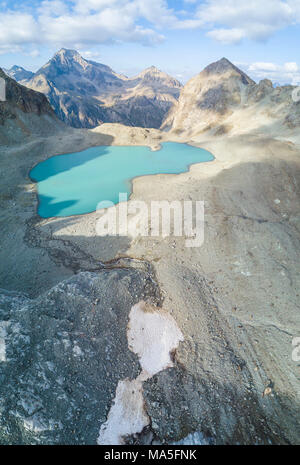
(75, 183)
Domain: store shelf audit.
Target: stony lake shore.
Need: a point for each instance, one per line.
(69, 295)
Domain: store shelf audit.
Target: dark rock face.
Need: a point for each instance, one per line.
(141, 111)
(85, 94)
(25, 113)
(22, 98)
(215, 100)
(62, 355)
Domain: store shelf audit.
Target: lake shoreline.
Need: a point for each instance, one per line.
(233, 298)
(52, 173)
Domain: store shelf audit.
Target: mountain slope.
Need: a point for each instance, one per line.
(223, 99)
(18, 73)
(85, 93)
(217, 90)
(24, 113)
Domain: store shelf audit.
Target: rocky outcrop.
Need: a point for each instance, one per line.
(223, 99)
(75, 368)
(24, 113)
(26, 100)
(62, 355)
(85, 94)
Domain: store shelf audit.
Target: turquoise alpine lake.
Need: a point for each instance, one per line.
(74, 183)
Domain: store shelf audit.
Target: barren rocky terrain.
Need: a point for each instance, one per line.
(67, 309)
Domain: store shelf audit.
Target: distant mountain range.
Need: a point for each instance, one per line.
(18, 73)
(85, 94)
(220, 100)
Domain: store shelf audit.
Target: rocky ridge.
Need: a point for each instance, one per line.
(222, 99)
(85, 93)
(24, 113)
(18, 73)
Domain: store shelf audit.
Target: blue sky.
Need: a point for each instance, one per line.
(180, 37)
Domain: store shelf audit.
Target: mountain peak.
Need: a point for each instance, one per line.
(16, 68)
(153, 74)
(151, 70)
(65, 60)
(65, 55)
(222, 66)
(219, 66)
(18, 73)
(225, 61)
(65, 52)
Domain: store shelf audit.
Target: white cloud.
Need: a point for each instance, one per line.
(90, 54)
(90, 22)
(227, 36)
(291, 67)
(287, 73)
(156, 12)
(252, 19)
(34, 53)
(86, 6)
(263, 66)
(10, 49)
(52, 8)
(62, 23)
(106, 26)
(17, 29)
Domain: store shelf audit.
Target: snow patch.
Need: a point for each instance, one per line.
(127, 415)
(152, 334)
